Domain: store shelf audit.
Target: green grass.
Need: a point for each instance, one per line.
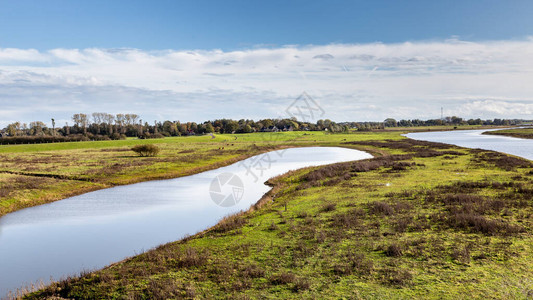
(422, 220)
(41, 173)
(440, 128)
(524, 133)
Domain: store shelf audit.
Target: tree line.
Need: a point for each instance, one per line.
(105, 126)
(447, 121)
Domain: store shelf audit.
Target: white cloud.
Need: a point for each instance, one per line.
(351, 82)
(498, 107)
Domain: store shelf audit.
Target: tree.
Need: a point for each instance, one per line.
(456, 120)
(209, 128)
(247, 128)
(390, 122)
(13, 129)
(53, 126)
(119, 121)
(193, 127)
(267, 123)
(231, 126)
(170, 127)
(81, 121)
(37, 128)
(97, 120)
(109, 118)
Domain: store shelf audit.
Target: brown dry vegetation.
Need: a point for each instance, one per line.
(33, 178)
(452, 223)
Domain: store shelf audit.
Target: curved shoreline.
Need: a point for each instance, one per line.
(514, 133)
(331, 157)
(272, 239)
(173, 174)
(503, 144)
(169, 175)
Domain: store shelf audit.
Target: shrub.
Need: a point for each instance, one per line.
(146, 150)
(461, 254)
(301, 214)
(283, 278)
(252, 271)
(301, 284)
(347, 219)
(148, 135)
(47, 139)
(230, 223)
(395, 277)
(192, 258)
(394, 250)
(273, 227)
(329, 207)
(381, 208)
(402, 223)
(478, 223)
(162, 289)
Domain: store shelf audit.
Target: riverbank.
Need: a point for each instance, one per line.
(31, 175)
(36, 174)
(426, 220)
(523, 133)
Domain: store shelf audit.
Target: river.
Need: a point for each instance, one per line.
(95, 229)
(475, 139)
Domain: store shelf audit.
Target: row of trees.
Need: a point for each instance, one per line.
(100, 123)
(102, 126)
(447, 121)
(451, 121)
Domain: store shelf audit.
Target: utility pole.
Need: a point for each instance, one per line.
(441, 113)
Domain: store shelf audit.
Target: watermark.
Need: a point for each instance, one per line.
(226, 190)
(257, 165)
(305, 108)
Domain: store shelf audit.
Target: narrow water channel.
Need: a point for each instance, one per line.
(475, 139)
(92, 230)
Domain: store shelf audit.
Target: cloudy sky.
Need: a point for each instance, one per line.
(194, 61)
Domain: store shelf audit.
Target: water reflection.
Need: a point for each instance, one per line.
(95, 229)
(475, 139)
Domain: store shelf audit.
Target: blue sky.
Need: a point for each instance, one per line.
(199, 60)
(230, 24)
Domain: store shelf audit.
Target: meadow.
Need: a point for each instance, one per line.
(420, 220)
(34, 174)
(523, 133)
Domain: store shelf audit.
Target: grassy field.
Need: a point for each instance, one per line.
(421, 220)
(35, 174)
(524, 133)
(441, 128)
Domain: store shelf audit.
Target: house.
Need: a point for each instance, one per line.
(270, 129)
(288, 128)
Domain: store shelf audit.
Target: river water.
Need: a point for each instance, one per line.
(92, 230)
(475, 139)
